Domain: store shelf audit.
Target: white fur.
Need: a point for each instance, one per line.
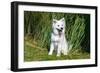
(58, 39)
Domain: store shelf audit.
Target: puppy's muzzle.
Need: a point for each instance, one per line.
(60, 30)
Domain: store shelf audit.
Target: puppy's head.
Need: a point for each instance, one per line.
(59, 25)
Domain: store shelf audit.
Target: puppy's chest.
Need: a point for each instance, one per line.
(57, 38)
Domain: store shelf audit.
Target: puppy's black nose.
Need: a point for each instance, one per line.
(61, 28)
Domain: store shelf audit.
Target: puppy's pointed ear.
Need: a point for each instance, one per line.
(63, 19)
(54, 21)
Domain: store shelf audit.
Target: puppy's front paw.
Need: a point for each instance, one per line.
(58, 55)
(50, 53)
(65, 53)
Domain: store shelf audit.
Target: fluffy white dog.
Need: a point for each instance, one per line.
(58, 40)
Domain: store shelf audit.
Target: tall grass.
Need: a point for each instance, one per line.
(38, 28)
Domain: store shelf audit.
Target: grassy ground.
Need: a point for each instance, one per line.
(32, 52)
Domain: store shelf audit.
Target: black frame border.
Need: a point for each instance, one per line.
(14, 35)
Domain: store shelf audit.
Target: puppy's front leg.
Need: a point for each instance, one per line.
(59, 50)
(51, 49)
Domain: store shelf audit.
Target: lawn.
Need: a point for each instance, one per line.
(32, 52)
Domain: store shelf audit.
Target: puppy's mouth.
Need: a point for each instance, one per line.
(60, 31)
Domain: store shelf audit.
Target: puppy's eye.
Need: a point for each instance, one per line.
(58, 25)
(62, 25)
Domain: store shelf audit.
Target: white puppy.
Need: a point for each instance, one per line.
(58, 40)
